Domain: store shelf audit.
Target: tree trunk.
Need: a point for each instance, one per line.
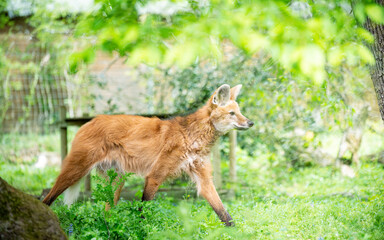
(377, 72)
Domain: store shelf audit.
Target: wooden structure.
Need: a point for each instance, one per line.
(216, 164)
(232, 162)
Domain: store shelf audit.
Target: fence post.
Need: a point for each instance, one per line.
(215, 156)
(87, 180)
(63, 133)
(232, 162)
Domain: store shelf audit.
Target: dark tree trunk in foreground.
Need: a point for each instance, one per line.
(24, 217)
(377, 72)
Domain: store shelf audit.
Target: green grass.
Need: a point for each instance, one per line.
(27, 178)
(18, 153)
(271, 203)
(313, 203)
(319, 203)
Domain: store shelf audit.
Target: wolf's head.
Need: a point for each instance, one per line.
(225, 114)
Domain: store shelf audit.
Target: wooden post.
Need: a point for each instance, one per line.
(63, 133)
(87, 180)
(215, 155)
(232, 162)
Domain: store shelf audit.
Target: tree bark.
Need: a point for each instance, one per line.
(377, 71)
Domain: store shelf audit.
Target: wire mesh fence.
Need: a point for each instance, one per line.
(31, 96)
(35, 106)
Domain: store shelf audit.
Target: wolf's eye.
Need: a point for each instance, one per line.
(232, 113)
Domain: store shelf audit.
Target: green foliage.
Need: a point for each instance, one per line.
(304, 37)
(52, 35)
(27, 178)
(293, 64)
(106, 187)
(18, 153)
(289, 112)
(312, 203)
(368, 9)
(272, 202)
(305, 40)
(89, 220)
(142, 220)
(4, 19)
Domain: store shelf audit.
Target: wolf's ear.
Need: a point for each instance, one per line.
(222, 95)
(235, 91)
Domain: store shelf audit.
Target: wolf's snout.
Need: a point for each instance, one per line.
(244, 125)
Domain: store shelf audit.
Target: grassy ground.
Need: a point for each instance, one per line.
(315, 203)
(309, 203)
(312, 203)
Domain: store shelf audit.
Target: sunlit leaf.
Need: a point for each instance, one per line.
(312, 58)
(366, 54)
(359, 12)
(130, 35)
(375, 12)
(145, 54)
(183, 55)
(335, 56)
(253, 41)
(366, 35)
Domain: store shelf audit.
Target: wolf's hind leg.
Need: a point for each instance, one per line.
(75, 167)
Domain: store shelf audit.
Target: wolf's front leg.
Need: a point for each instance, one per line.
(203, 177)
(156, 177)
(152, 184)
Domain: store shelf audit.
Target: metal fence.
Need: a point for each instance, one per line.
(33, 97)
(34, 106)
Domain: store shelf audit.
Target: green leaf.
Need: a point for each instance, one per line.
(365, 54)
(335, 56)
(359, 12)
(184, 54)
(145, 54)
(312, 62)
(366, 35)
(375, 12)
(130, 35)
(253, 42)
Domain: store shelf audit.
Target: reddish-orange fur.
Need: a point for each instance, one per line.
(155, 148)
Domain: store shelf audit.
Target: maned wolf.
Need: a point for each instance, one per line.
(153, 148)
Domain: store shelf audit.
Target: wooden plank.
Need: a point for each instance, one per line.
(232, 162)
(63, 133)
(87, 181)
(216, 164)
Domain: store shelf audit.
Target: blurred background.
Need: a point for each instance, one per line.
(304, 67)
